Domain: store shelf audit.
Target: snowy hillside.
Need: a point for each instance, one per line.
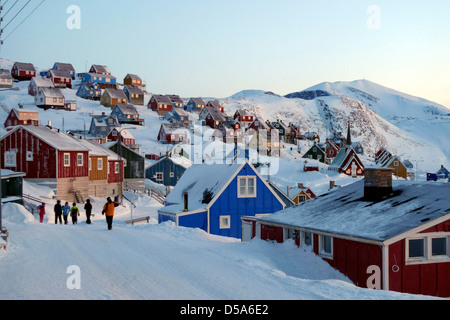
(410, 127)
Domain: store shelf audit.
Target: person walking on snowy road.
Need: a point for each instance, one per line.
(74, 213)
(66, 211)
(108, 209)
(58, 212)
(41, 210)
(88, 208)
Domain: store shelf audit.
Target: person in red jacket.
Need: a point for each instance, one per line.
(108, 209)
(41, 210)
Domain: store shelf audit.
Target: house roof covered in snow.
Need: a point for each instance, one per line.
(346, 212)
(52, 137)
(194, 181)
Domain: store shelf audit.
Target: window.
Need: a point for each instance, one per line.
(10, 159)
(246, 186)
(172, 175)
(326, 246)
(66, 159)
(225, 222)
(89, 164)
(80, 159)
(99, 164)
(159, 176)
(114, 133)
(429, 248)
(116, 167)
(307, 238)
(439, 246)
(396, 163)
(29, 155)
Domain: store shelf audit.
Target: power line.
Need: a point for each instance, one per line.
(16, 15)
(9, 8)
(25, 19)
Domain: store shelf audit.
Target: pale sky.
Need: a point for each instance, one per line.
(215, 48)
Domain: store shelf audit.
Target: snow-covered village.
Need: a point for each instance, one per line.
(116, 189)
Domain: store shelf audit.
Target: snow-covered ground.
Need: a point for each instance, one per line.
(158, 261)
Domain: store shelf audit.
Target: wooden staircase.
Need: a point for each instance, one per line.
(78, 196)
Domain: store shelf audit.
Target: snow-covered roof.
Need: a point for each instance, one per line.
(115, 93)
(134, 89)
(26, 114)
(60, 73)
(195, 181)
(52, 137)
(43, 82)
(51, 92)
(346, 212)
(5, 74)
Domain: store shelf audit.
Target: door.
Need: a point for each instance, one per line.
(247, 231)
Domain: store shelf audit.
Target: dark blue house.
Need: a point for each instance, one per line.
(90, 91)
(167, 170)
(442, 173)
(214, 197)
(195, 104)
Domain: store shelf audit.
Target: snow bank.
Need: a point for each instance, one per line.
(16, 213)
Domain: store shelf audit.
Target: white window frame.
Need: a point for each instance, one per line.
(225, 222)
(29, 155)
(303, 237)
(99, 164)
(11, 159)
(322, 251)
(116, 167)
(428, 248)
(80, 163)
(246, 194)
(161, 174)
(66, 160)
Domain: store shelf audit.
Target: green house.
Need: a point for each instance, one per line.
(12, 186)
(316, 153)
(134, 171)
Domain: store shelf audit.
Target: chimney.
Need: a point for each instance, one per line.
(185, 198)
(332, 184)
(377, 183)
(300, 185)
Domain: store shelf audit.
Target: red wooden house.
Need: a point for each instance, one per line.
(332, 149)
(126, 137)
(212, 116)
(379, 233)
(49, 156)
(161, 104)
(99, 69)
(216, 104)
(347, 160)
(23, 71)
(244, 117)
(60, 78)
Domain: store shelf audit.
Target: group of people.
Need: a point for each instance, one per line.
(66, 210)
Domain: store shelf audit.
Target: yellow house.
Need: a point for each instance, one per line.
(400, 169)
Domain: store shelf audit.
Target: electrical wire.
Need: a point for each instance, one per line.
(25, 19)
(16, 15)
(9, 8)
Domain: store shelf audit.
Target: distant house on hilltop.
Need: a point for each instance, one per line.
(22, 117)
(132, 80)
(99, 69)
(161, 104)
(111, 97)
(195, 105)
(50, 98)
(6, 80)
(102, 124)
(103, 80)
(65, 67)
(60, 78)
(89, 91)
(23, 71)
(134, 94)
(37, 82)
(127, 114)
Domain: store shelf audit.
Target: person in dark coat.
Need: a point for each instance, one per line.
(88, 208)
(58, 212)
(74, 213)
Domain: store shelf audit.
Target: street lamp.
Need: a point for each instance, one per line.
(84, 127)
(119, 153)
(62, 116)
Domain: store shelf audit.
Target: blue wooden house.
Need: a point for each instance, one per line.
(90, 91)
(443, 173)
(214, 197)
(357, 146)
(103, 80)
(195, 104)
(167, 170)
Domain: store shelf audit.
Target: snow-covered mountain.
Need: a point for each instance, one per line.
(410, 127)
